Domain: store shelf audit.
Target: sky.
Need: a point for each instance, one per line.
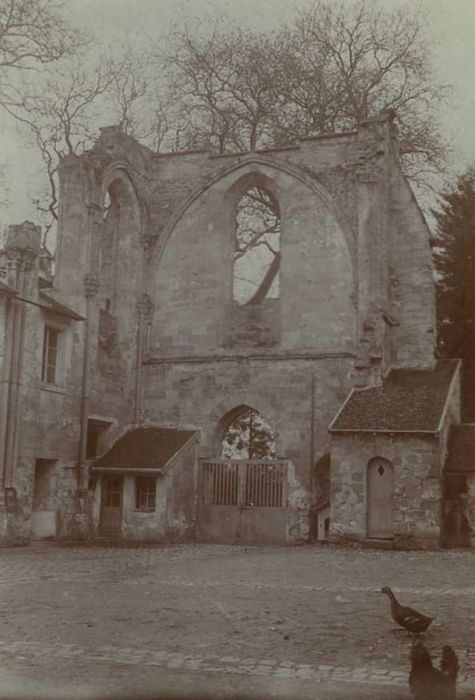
(450, 27)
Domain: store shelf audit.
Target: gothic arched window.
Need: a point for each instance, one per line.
(256, 265)
(121, 220)
(248, 436)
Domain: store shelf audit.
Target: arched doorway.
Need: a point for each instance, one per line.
(380, 499)
(243, 493)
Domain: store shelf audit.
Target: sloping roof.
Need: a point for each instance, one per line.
(409, 401)
(145, 448)
(461, 449)
(52, 304)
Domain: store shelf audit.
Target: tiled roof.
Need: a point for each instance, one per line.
(409, 401)
(143, 448)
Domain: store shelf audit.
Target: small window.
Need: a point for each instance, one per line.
(145, 489)
(49, 363)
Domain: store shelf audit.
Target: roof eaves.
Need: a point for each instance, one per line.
(454, 378)
(59, 308)
(175, 456)
(126, 470)
(353, 391)
(386, 431)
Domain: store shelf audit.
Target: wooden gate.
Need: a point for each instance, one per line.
(242, 501)
(112, 488)
(379, 499)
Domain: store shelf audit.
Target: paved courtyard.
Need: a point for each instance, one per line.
(223, 622)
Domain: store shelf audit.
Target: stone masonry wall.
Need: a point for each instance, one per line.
(200, 395)
(45, 417)
(192, 281)
(173, 518)
(50, 418)
(417, 486)
(3, 329)
(168, 247)
(412, 290)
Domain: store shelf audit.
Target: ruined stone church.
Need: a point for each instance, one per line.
(127, 359)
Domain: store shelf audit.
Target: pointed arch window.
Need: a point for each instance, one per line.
(120, 217)
(248, 436)
(256, 265)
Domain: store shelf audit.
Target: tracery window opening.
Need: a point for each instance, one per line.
(257, 256)
(249, 436)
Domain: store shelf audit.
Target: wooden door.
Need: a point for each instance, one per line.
(379, 499)
(111, 505)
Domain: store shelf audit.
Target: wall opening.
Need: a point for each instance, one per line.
(117, 212)
(120, 271)
(43, 520)
(96, 435)
(456, 521)
(248, 436)
(121, 226)
(256, 266)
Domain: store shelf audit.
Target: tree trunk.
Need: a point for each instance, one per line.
(266, 283)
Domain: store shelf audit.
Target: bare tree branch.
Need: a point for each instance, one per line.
(331, 68)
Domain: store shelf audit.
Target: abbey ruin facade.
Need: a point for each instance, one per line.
(123, 368)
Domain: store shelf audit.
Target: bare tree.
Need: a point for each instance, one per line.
(331, 68)
(358, 60)
(32, 33)
(140, 101)
(257, 246)
(3, 185)
(226, 87)
(61, 112)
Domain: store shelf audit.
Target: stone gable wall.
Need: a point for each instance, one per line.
(417, 487)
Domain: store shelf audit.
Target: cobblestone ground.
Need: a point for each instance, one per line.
(222, 622)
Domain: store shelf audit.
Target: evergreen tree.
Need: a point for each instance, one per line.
(249, 437)
(454, 260)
